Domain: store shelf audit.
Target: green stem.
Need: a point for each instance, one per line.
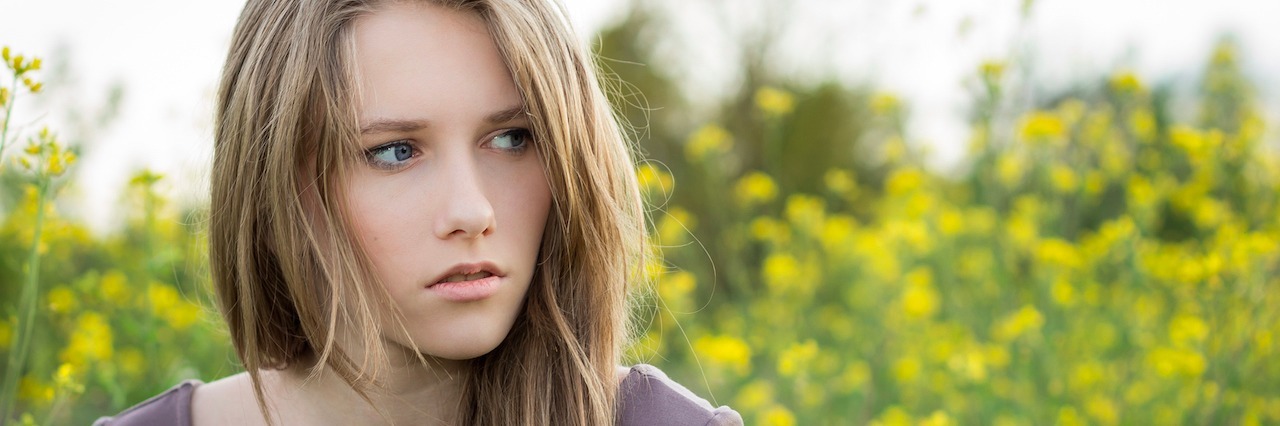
(27, 311)
(8, 113)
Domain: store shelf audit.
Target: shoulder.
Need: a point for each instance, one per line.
(229, 400)
(173, 407)
(648, 397)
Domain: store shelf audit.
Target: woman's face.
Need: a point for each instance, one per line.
(450, 201)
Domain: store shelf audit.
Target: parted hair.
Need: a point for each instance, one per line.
(290, 276)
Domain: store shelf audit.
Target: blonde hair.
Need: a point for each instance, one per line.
(287, 268)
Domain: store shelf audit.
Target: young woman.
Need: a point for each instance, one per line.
(423, 212)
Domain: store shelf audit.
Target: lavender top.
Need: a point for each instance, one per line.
(645, 397)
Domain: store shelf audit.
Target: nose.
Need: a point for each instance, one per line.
(464, 208)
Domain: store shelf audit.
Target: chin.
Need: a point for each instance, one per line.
(463, 343)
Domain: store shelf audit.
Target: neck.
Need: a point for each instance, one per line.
(405, 391)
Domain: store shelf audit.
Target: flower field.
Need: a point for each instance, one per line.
(1100, 262)
(1110, 256)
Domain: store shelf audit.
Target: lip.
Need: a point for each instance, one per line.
(468, 291)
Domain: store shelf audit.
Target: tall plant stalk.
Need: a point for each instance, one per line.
(27, 310)
(49, 162)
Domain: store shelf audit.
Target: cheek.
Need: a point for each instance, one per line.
(525, 203)
(380, 226)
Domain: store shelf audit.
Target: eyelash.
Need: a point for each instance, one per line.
(371, 154)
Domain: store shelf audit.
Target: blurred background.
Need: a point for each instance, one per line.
(899, 213)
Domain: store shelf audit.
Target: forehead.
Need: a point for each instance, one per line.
(418, 60)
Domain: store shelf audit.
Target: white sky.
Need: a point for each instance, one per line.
(168, 54)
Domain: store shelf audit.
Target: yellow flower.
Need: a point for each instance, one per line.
(32, 390)
(1197, 146)
(769, 229)
(755, 394)
(996, 356)
(991, 70)
(1086, 376)
(1014, 325)
(654, 181)
(970, 364)
(781, 273)
(1102, 410)
(856, 374)
(168, 305)
(894, 149)
(918, 204)
(709, 140)
(676, 286)
(62, 300)
(796, 356)
(907, 369)
(755, 188)
(950, 221)
(903, 181)
(1186, 330)
(980, 220)
(184, 315)
(885, 104)
(1042, 126)
(675, 226)
(841, 182)
(774, 101)
(920, 300)
(1010, 169)
(893, 416)
(1169, 362)
(1058, 253)
(779, 416)
(1068, 416)
(938, 418)
(1209, 213)
(913, 233)
(974, 263)
(1064, 179)
(1063, 293)
(1022, 231)
(113, 288)
(806, 213)
(90, 341)
(1126, 82)
(726, 351)
(1143, 123)
(837, 234)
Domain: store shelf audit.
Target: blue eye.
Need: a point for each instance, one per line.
(390, 156)
(514, 140)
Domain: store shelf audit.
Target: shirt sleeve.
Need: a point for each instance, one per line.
(173, 407)
(648, 397)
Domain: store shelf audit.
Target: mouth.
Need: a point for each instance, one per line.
(457, 278)
(469, 282)
(467, 272)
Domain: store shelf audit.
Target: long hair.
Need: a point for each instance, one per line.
(287, 268)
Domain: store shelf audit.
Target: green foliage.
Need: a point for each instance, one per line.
(1100, 262)
(96, 323)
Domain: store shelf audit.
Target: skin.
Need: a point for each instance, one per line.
(444, 184)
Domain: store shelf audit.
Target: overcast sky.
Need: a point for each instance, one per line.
(167, 54)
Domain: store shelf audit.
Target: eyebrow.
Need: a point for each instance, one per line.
(410, 125)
